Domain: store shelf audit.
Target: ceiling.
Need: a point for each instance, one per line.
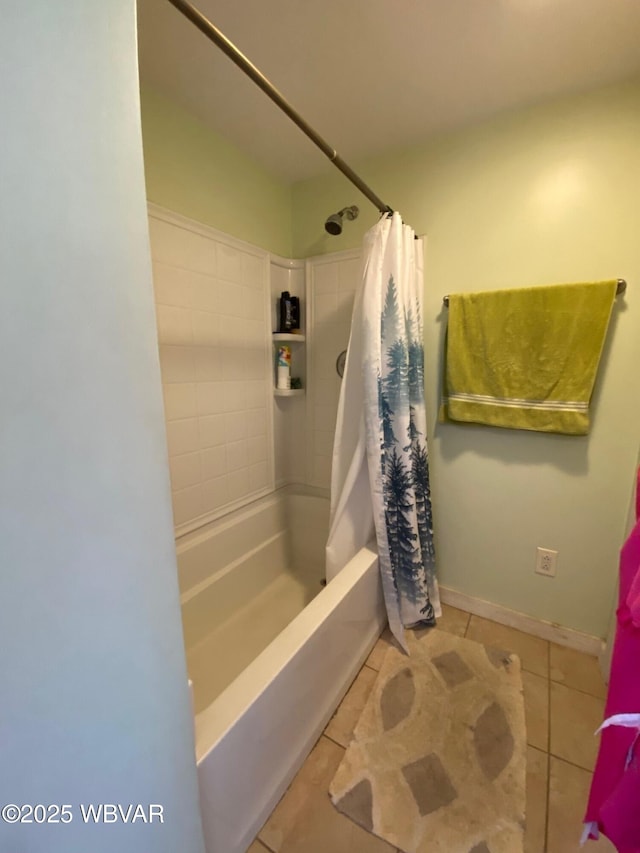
(375, 75)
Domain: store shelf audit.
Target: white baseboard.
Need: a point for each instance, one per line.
(537, 627)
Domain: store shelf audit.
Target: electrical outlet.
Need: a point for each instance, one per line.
(546, 562)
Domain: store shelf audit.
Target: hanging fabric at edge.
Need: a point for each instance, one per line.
(380, 471)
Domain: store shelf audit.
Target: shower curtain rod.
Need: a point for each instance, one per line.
(220, 40)
(622, 286)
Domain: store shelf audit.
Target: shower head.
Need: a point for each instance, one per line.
(333, 224)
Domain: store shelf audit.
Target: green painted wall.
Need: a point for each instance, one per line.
(544, 195)
(192, 170)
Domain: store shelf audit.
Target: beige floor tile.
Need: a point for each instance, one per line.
(574, 717)
(305, 820)
(568, 792)
(532, 651)
(453, 621)
(575, 669)
(341, 725)
(378, 652)
(258, 847)
(536, 814)
(536, 708)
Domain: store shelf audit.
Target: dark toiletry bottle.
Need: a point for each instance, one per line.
(295, 312)
(285, 312)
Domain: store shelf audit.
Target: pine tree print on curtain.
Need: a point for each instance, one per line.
(403, 458)
(380, 471)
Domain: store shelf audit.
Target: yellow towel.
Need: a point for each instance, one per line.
(526, 358)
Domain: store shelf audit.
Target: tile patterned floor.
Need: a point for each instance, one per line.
(564, 701)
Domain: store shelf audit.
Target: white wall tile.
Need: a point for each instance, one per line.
(177, 364)
(344, 306)
(182, 436)
(236, 455)
(234, 360)
(332, 290)
(256, 422)
(328, 391)
(234, 396)
(214, 462)
(235, 426)
(212, 330)
(212, 430)
(238, 484)
(209, 364)
(232, 298)
(255, 306)
(325, 417)
(174, 325)
(323, 442)
(204, 292)
(322, 471)
(259, 476)
(215, 494)
(187, 504)
(206, 328)
(253, 272)
(180, 247)
(229, 263)
(325, 278)
(325, 308)
(254, 363)
(254, 333)
(210, 397)
(185, 470)
(349, 273)
(172, 286)
(257, 450)
(325, 363)
(256, 394)
(180, 400)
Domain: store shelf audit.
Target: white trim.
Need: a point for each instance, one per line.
(226, 509)
(518, 403)
(205, 230)
(287, 263)
(528, 624)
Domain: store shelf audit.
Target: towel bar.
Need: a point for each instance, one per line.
(622, 286)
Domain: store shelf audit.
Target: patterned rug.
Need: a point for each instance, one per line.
(438, 759)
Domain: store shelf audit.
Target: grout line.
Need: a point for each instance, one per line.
(577, 690)
(571, 763)
(266, 846)
(328, 737)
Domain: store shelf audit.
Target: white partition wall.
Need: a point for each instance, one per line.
(95, 706)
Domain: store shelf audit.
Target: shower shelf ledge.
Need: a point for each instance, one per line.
(287, 336)
(290, 392)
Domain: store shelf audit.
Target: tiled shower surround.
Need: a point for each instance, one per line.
(211, 302)
(215, 305)
(331, 284)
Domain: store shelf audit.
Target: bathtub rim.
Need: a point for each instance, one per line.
(217, 719)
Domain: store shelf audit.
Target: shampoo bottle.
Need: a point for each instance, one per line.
(285, 312)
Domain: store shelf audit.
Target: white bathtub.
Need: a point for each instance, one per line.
(253, 737)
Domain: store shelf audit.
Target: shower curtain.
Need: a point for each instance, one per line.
(380, 470)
